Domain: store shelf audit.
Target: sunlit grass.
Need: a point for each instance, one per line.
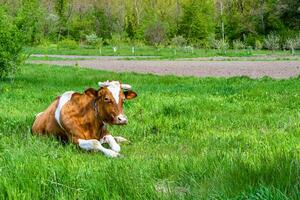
(191, 138)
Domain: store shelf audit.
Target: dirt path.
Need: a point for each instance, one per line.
(254, 69)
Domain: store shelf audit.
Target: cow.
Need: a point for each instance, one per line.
(82, 118)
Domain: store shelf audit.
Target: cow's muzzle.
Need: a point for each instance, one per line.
(121, 119)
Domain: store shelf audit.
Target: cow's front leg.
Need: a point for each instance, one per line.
(96, 145)
(110, 140)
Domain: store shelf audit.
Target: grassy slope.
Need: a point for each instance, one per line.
(163, 53)
(191, 138)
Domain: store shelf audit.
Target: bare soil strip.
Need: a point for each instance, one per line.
(256, 69)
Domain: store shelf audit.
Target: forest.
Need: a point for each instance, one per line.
(200, 23)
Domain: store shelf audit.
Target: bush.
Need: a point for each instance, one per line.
(178, 41)
(258, 45)
(11, 46)
(92, 39)
(67, 44)
(221, 45)
(155, 34)
(272, 42)
(115, 40)
(237, 44)
(292, 44)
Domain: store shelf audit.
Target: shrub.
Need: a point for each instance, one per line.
(115, 40)
(258, 45)
(271, 42)
(237, 44)
(11, 46)
(292, 44)
(221, 45)
(92, 39)
(67, 44)
(189, 49)
(155, 34)
(178, 41)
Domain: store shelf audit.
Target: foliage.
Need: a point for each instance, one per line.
(221, 45)
(28, 21)
(271, 42)
(198, 20)
(67, 44)
(155, 33)
(11, 46)
(242, 143)
(178, 41)
(288, 12)
(92, 39)
(195, 20)
(102, 23)
(258, 44)
(292, 44)
(237, 44)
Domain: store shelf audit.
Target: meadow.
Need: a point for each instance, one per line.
(191, 138)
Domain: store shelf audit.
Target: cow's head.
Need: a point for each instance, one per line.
(110, 99)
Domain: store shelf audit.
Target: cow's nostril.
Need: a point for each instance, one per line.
(122, 119)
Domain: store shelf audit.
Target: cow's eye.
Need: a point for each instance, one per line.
(106, 99)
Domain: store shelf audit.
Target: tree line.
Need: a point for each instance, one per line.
(198, 22)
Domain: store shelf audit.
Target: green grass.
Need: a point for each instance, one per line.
(53, 58)
(162, 53)
(192, 138)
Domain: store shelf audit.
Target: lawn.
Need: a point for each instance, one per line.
(191, 138)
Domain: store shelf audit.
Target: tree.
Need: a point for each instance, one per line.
(155, 33)
(63, 9)
(197, 22)
(11, 46)
(289, 13)
(29, 22)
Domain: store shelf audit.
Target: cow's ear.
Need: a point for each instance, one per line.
(91, 92)
(130, 94)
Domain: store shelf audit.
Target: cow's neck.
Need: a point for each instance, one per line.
(97, 115)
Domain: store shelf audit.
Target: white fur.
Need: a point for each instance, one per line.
(103, 84)
(120, 139)
(62, 101)
(126, 86)
(122, 119)
(96, 145)
(115, 87)
(112, 143)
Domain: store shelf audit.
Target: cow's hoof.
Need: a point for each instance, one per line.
(112, 154)
(120, 139)
(116, 148)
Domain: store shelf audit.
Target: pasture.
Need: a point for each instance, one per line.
(191, 138)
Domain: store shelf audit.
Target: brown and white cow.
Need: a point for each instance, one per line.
(81, 118)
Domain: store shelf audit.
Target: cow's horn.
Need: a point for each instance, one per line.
(103, 84)
(126, 86)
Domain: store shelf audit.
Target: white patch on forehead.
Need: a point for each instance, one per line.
(115, 87)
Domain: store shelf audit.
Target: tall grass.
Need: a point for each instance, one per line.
(192, 138)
